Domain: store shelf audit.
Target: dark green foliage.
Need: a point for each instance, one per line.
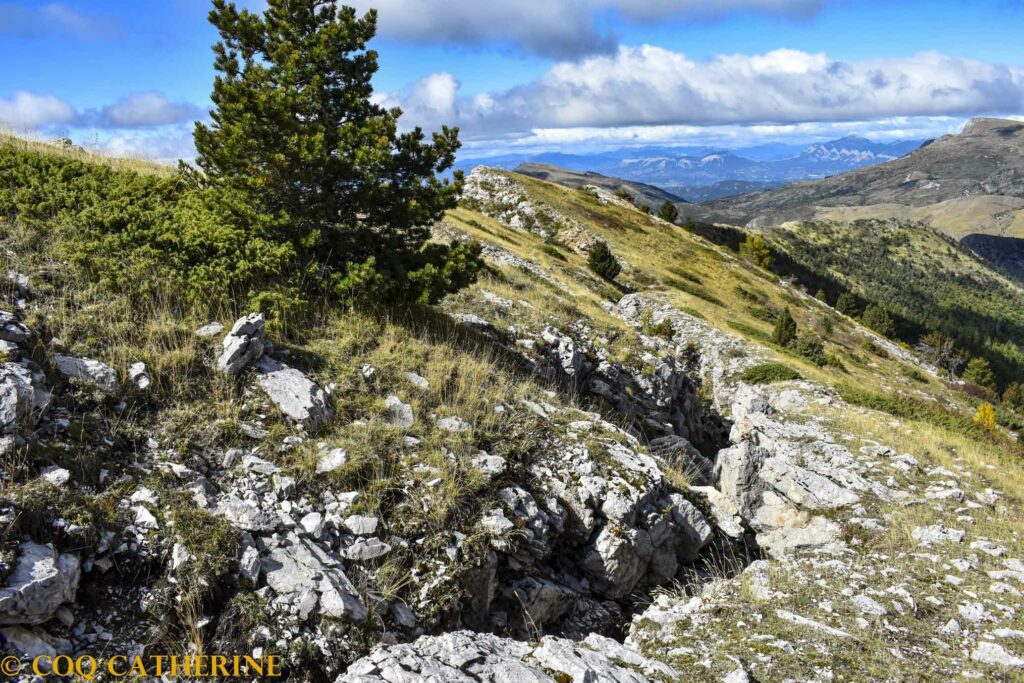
(675, 270)
(766, 373)
(943, 352)
(821, 296)
(1014, 396)
(299, 154)
(828, 323)
(763, 313)
(979, 372)
(878, 319)
(925, 281)
(661, 329)
(668, 212)
(785, 329)
(552, 251)
(601, 260)
(847, 304)
(811, 347)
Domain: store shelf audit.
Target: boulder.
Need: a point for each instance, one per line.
(89, 371)
(298, 397)
(243, 345)
(42, 581)
(398, 414)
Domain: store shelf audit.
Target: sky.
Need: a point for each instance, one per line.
(562, 75)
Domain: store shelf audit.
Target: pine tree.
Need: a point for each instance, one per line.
(785, 329)
(979, 372)
(303, 156)
(668, 212)
(847, 304)
(602, 261)
(821, 296)
(879, 320)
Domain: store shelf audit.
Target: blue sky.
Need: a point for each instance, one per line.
(130, 77)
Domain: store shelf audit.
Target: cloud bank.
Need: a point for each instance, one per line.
(30, 111)
(557, 29)
(651, 86)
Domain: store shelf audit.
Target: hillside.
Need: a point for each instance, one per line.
(549, 476)
(645, 195)
(963, 184)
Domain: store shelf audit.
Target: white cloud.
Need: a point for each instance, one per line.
(650, 86)
(33, 19)
(29, 111)
(551, 28)
(166, 145)
(144, 110)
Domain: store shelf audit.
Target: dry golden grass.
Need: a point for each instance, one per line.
(24, 142)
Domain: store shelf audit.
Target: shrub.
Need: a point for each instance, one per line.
(757, 251)
(985, 417)
(785, 329)
(811, 347)
(980, 372)
(847, 304)
(601, 260)
(821, 296)
(766, 373)
(1014, 396)
(668, 212)
(661, 329)
(552, 251)
(878, 319)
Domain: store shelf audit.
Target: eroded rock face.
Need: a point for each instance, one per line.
(42, 581)
(486, 658)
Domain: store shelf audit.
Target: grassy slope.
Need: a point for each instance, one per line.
(194, 409)
(657, 255)
(921, 276)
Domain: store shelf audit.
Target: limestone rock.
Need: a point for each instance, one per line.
(140, 376)
(88, 370)
(296, 395)
(468, 657)
(243, 345)
(16, 396)
(42, 581)
(398, 414)
(300, 565)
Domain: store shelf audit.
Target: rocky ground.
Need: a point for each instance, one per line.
(593, 502)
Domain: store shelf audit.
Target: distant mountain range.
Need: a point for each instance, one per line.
(702, 173)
